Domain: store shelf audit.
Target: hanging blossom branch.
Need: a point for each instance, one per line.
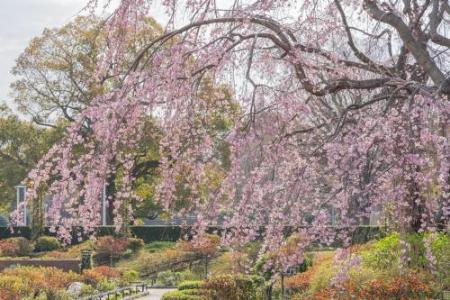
(330, 121)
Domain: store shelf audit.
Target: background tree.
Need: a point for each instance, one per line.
(56, 73)
(22, 144)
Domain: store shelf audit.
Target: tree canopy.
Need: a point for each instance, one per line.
(344, 106)
(22, 144)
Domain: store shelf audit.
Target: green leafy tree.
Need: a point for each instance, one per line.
(22, 144)
(56, 73)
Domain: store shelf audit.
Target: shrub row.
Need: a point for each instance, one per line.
(172, 233)
(34, 282)
(223, 287)
(20, 246)
(53, 284)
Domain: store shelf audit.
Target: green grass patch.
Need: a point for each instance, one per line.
(158, 246)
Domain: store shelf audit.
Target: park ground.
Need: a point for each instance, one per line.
(187, 270)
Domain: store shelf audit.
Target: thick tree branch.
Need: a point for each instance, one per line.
(436, 17)
(417, 50)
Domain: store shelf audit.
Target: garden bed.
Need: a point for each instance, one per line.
(62, 264)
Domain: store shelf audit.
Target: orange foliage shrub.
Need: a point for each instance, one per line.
(108, 272)
(300, 281)
(56, 254)
(97, 274)
(17, 246)
(402, 287)
(30, 281)
(8, 248)
(8, 294)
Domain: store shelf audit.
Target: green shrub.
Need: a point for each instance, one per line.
(384, 253)
(416, 253)
(203, 293)
(47, 243)
(135, 244)
(440, 246)
(169, 278)
(158, 246)
(87, 290)
(180, 295)
(105, 285)
(130, 276)
(191, 284)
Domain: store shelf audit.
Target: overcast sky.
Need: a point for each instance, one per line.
(20, 21)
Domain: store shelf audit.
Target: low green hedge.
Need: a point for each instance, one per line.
(192, 284)
(223, 287)
(47, 243)
(173, 233)
(180, 295)
(23, 231)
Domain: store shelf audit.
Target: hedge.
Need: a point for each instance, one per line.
(24, 231)
(63, 264)
(362, 234)
(146, 233)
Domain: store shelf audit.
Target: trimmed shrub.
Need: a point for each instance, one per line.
(223, 287)
(47, 243)
(239, 287)
(135, 244)
(23, 231)
(180, 295)
(157, 233)
(192, 284)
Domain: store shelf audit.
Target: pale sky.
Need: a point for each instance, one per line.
(20, 21)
